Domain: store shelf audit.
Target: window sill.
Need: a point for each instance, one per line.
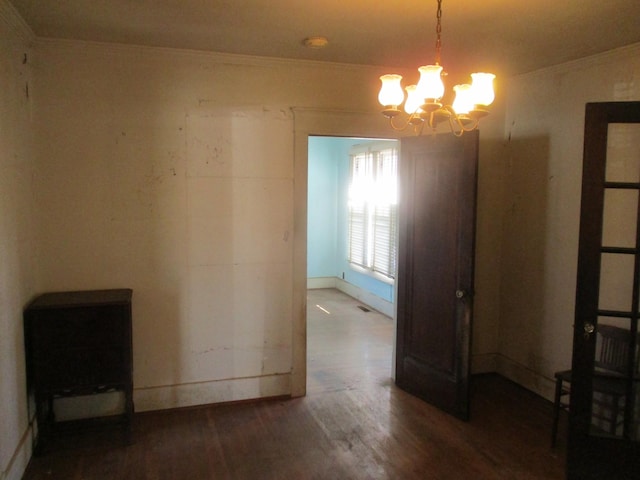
(370, 273)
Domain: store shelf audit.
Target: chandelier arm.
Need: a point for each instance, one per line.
(433, 121)
(469, 127)
(406, 123)
(420, 128)
(456, 127)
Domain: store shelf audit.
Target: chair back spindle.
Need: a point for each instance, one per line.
(613, 347)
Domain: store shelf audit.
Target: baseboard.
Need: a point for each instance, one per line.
(321, 282)
(204, 393)
(483, 363)
(524, 376)
(368, 298)
(20, 458)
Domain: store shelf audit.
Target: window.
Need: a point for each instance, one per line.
(373, 209)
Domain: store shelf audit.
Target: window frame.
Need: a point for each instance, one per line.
(378, 232)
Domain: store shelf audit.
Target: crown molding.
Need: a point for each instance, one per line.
(209, 56)
(628, 51)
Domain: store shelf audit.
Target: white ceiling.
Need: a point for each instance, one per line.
(503, 36)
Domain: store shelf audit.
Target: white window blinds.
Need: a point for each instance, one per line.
(373, 210)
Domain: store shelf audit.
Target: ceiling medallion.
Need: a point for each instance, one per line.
(315, 42)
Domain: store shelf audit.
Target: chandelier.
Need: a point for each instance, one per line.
(423, 103)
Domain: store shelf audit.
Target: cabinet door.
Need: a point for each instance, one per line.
(90, 326)
(74, 370)
(79, 348)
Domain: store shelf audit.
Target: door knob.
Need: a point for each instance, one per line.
(460, 293)
(589, 328)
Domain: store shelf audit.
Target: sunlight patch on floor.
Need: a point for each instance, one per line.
(324, 310)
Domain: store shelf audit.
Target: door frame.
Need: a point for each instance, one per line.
(317, 122)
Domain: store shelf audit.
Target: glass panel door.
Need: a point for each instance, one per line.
(615, 375)
(605, 408)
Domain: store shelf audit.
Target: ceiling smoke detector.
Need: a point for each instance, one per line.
(315, 42)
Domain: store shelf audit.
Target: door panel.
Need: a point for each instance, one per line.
(604, 434)
(438, 177)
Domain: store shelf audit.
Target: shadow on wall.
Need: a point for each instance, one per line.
(524, 244)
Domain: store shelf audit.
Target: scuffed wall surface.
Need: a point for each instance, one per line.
(156, 169)
(16, 238)
(544, 126)
(171, 173)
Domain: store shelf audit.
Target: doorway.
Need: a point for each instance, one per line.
(314, 122)
(351, 298)
(352, 242)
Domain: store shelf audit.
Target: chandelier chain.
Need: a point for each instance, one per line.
(438, 32)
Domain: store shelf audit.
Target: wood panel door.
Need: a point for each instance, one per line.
(438, 184)
(604, 426)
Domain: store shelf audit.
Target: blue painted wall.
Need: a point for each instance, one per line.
(327, 231)
(322, 206)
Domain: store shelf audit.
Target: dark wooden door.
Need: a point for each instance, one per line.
(438, 183)
(604, 422)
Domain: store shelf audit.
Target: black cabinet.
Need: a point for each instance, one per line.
(78, 343)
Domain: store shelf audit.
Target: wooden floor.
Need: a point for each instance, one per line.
(353, 424)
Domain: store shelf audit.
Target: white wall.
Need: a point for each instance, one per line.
(544, 127)
(183, 175)
(16, 237)
(172, 173)
(488, 261)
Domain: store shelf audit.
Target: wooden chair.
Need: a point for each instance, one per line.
(609, 386)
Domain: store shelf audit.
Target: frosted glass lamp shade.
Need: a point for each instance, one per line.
(482, 86)
(413, 103)
(430, 85)
(464, 101)
(391, 94)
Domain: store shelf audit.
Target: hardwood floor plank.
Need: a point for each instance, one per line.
(353, 424)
